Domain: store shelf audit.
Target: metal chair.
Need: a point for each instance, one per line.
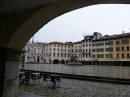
(55, 79)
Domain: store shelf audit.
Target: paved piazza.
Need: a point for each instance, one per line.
(92, 70)
(78, 88)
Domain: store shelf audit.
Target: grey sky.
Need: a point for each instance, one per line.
(106, 19)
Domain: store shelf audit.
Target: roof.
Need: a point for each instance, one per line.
(77, 42)
(55, 42)
(113, 37)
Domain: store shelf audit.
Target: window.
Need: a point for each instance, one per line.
(108, 49)
(117, 55)
(93, 44)
(111, 49)
(100, 44)
(86, 55)
(54, 54)
(100, 50)
(122, 48)
(83, 50)
(100, 55)
(109, 43)
(80, 50)
(117, 48)
(127, 48)
(123, 56)
(117, 42)
(128, 55)
(83, 55)
(125, 41)
(93, 56)
(108, 55)
(57, 54)
(93, 50)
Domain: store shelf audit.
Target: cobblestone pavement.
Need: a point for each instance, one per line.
(28, 94)
(78, 88)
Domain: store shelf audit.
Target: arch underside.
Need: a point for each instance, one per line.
(23, 25)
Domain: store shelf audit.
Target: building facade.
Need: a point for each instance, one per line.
(94, 48)
(77, 52)
(57, 52)
(102, 50)
(87, 48)
(34, 52)
(112, 48)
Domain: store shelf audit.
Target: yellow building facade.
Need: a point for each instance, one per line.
(121, 49)
(112, 48)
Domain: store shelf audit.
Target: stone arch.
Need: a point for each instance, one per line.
(56, 61)
(17, 30)
(62, 61)
(45, 14)
(67, 61)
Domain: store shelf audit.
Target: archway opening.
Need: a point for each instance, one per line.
(86, 52)
(55, 61)
(62, 61)
(83, 51)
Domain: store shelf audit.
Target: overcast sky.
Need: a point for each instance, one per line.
(106, 19)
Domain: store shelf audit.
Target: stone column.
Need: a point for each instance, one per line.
(9, 63)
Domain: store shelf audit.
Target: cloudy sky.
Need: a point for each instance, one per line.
(106, 19)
